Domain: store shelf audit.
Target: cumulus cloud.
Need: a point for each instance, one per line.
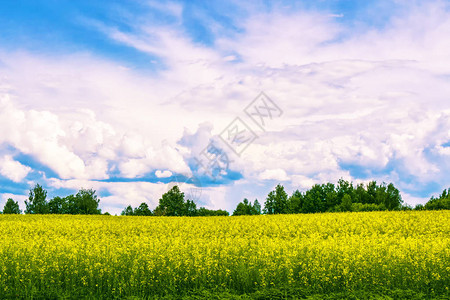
(12, 169)
(38, 133)
(80, 146)
(358, 104)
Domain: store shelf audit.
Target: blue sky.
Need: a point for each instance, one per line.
(125, 96)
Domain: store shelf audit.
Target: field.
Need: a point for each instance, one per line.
(395, 254)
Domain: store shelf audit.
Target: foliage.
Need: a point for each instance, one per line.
(190, 208)
(143, 210)
(172, 203)
(85, 202)
(204, 212)
(59, 205)
(265, 257)
(247, 208)
(442, 202)
(257, 207)
(419, 207)
(276, 201)
(37, 201)
(11, 207)
(128, 211)
(346, 204)
(341, 197)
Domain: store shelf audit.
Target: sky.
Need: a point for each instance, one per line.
(226, 99)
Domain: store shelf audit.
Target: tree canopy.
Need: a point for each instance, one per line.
(328, 197)
(276, 201)
(141, 210)
(172, 203)
(345, 197)
(85, 202)
(247, 208)
(37, 201)
(441, 202)
(11, 207)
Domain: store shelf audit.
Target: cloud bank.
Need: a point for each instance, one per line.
(360, 102)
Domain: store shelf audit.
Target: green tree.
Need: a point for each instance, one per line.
(393, 199)
(346, 204)
(419, 207)
(71, 204)
(240, 210)
(243, 208)
(371, 193)
(295, 203)
(204, 212)
(361, 195)
(380, 194)
(256, 207)
(276, 201)
(158, 211)
(269, 205)
(142, 210)
(86, 203)
(331, 197)
(128, 211)
(441, 202)
(171, 203)
(314, 200)
(190, 208)
(246, 208)
(58, 205)
(280, 200)
(344, 187)
(11, 207)
(37, 203)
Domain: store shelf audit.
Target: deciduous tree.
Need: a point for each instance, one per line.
(37, 201)
(11, 207)
(171, 203)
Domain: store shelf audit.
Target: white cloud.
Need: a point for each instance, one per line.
(163, 174)
(413, 201)
(77, 145)
(274, 174)
(12, 169)
(275, 39)
(377, 99)
(303, 182)
(38, 133)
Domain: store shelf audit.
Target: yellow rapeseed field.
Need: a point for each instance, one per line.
(54, 255)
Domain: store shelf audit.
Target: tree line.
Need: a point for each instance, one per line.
(85, 202)
(173, 203)
(437, 203)
(329, 197)
(342, 197)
